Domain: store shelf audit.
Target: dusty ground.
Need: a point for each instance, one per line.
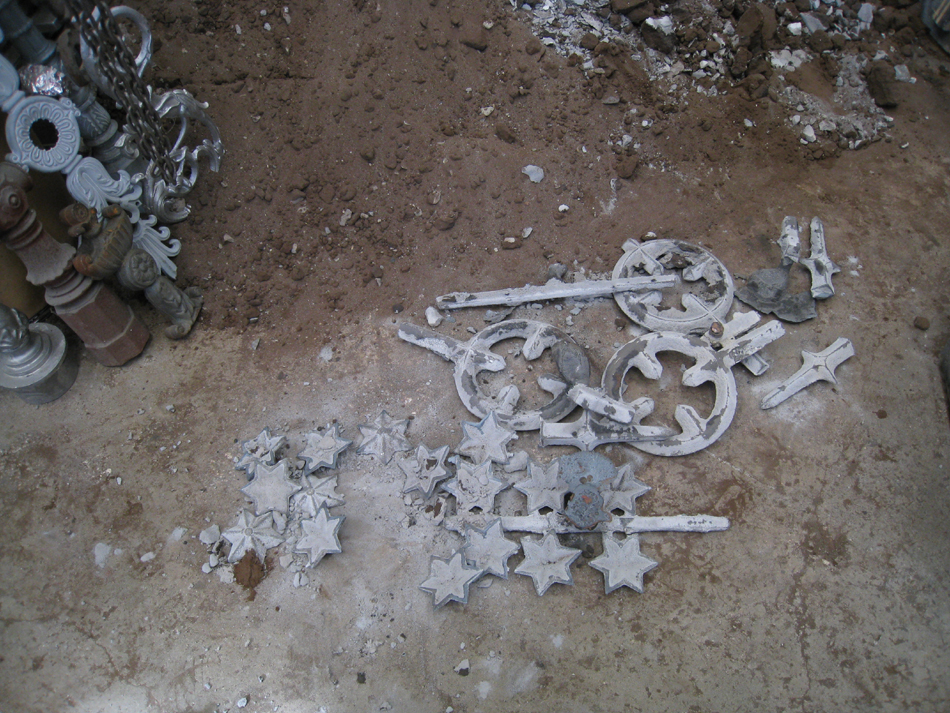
(829, 591)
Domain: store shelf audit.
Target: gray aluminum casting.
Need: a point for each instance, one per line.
(165, 200)
(553, 290)
(251, 533)
(765, 291)
(424, 470)
(818, 366)
(35, 361)
(488, 549)
(597, 401)
(790, 242)
(314, 493)
(544, 487)
(271, 487)
(263, 448)
(449, 579)
(697, 432)
(725, 334)
(547, 562)
(90, 60)
(707, 287)
(738, 342)
(819, 264)
(323, 449)
(589, 431)
(623, 491)
(319, 536)
(474, 357)
(474, 486)
(557, 523)
(486, 440)
(622, 563)
(384, 438)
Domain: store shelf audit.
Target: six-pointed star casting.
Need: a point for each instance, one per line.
(316, 492)
(424, 470)
(486, 439)
(323, 449)
(544, 487)
(449, 579)
(489, 549)
(624, 491)
(319, 536)
(384, 438)
(251, 533)
(282, 491)
(547, 562)
(262, 448)
(271, 487)
(622, 564)
(474, 487)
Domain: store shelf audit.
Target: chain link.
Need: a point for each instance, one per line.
(117, 65)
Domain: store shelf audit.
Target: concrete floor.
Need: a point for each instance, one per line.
(827, 593)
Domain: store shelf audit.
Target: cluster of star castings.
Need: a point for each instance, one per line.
(485, 549)
(291, 498)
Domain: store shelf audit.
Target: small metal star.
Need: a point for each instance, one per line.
(474, 486)
(547, 562)
(486, 439)
(262, 448)
(320, 536)
(622, 564)
(271, 487)
(449, 579)
(251, 533)
(316, 492)
(424, 470)
(623, 491)
(544, 487)
(384, 438)
(489, 549)
(322, 449)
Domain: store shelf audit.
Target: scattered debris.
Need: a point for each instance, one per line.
(534, 173)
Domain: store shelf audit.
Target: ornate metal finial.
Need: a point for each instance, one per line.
(34, 361)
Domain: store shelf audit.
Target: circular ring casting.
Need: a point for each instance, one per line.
(700, 309)
(538, 337)
(697, 432)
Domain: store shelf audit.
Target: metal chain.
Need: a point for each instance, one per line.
(117, 65)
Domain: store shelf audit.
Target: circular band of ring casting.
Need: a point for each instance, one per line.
(694, 264)
(697, 432)
(538, 337)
